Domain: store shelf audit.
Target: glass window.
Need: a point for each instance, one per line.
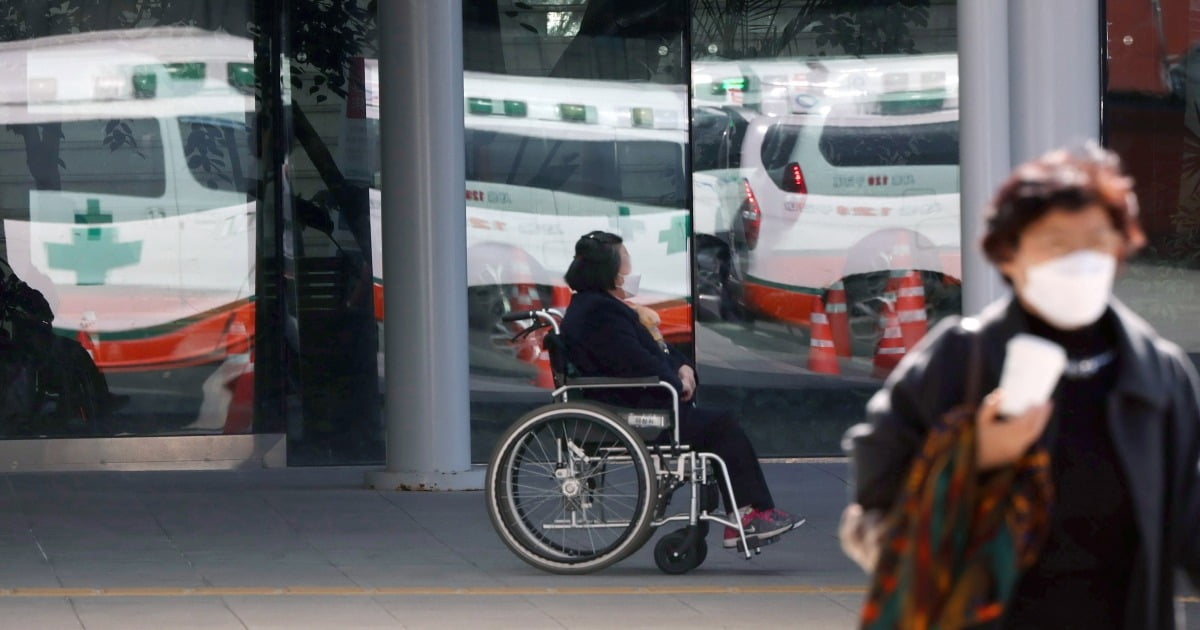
(115, 157)
(831, 243)
(891, 145)
(139, 281)
(576, 120)
(1152, 120)
(218, 152)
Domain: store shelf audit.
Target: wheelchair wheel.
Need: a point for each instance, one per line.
(673, 560)
(571, 488)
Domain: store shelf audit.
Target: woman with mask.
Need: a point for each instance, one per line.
(609, 337)
(1121, 429)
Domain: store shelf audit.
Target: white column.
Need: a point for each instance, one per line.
(1054, 54)
(424, 249)
(984, 160)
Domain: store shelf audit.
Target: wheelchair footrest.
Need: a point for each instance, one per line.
(756, 543)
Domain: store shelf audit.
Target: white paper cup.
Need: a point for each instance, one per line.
(1032, 367)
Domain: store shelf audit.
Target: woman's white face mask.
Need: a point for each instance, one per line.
(1070, 291)
(630, 283)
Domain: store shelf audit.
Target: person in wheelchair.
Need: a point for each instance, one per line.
(605, 336)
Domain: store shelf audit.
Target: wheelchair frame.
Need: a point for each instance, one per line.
(568, 476)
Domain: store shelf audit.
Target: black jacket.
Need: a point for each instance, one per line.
(605, 338)
(1153, 416)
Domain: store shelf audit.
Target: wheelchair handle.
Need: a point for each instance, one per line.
(548, 316)
(517, 316)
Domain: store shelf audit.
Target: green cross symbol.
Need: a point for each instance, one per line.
(623, 224)
(676, 236)
(95, 251)
(93, 217)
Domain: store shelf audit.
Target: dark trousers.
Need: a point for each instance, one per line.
(717, 431)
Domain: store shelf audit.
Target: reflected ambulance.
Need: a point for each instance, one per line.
(548, 160)
(848, 171)
(132, 216)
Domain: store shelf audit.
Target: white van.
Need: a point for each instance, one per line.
(842, 195)
(125, 174)
(848, 171)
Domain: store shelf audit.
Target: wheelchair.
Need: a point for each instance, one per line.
(576, 486)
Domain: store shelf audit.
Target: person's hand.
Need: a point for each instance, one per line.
(1000, 442)
(687, 376)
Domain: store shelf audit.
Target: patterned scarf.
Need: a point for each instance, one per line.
(958, 540)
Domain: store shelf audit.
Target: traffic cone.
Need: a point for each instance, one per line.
(239, 416)
(839, 318)
(85, 336)
(85, 340)
(237, 340)
(545, 376)
(910, 308)
(526, 298)
(560, 297)
(891, 343)
(822, 355)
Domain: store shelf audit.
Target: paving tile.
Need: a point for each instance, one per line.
(447, 612)
(155, 613)
(42, 613)
(291, 612)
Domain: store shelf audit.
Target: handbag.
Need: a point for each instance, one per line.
(949, 552)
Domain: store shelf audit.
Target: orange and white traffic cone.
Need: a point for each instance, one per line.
(910, 308)
(526, 298)
(85, 340)
(560, 297)
(891, 343)
(545, 376)
(239, 351)
(85, 337)
(839, 318)
(822, 355)
(239, 418)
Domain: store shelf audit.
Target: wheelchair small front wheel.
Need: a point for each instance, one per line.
(571, 488)
(673, 559)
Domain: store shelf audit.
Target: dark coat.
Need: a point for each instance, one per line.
(1153, 417)
(605, 338)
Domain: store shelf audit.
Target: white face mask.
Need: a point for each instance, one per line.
(630, 283)
(1070, 291)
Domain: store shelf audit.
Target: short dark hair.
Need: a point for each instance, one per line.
(1062, 180)
(597, 262)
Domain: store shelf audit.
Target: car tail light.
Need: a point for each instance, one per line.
(751, 216)
(793, 180)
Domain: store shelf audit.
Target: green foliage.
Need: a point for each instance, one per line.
(771, 28)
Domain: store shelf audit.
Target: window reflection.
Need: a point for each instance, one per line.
(826, 204)
(1152, 120)
(576, 120)
(125, 168)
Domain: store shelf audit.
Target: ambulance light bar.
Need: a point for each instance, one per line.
(572, 112)
(488, 107)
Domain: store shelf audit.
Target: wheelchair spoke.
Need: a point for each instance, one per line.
(574, 491)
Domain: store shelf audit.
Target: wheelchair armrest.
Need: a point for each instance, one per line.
(586, 381)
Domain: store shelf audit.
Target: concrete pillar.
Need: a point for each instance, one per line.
(424, 249)
(984, 161)
(1029, 73)
(1054, 69)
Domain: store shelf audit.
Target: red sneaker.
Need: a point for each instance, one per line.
(762, 525)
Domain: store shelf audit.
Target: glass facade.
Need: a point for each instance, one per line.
(763, 162)
(185, 189)
(1152, 120)
(128, 170)
(576, 120)
(190, 197)
(826, 207)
